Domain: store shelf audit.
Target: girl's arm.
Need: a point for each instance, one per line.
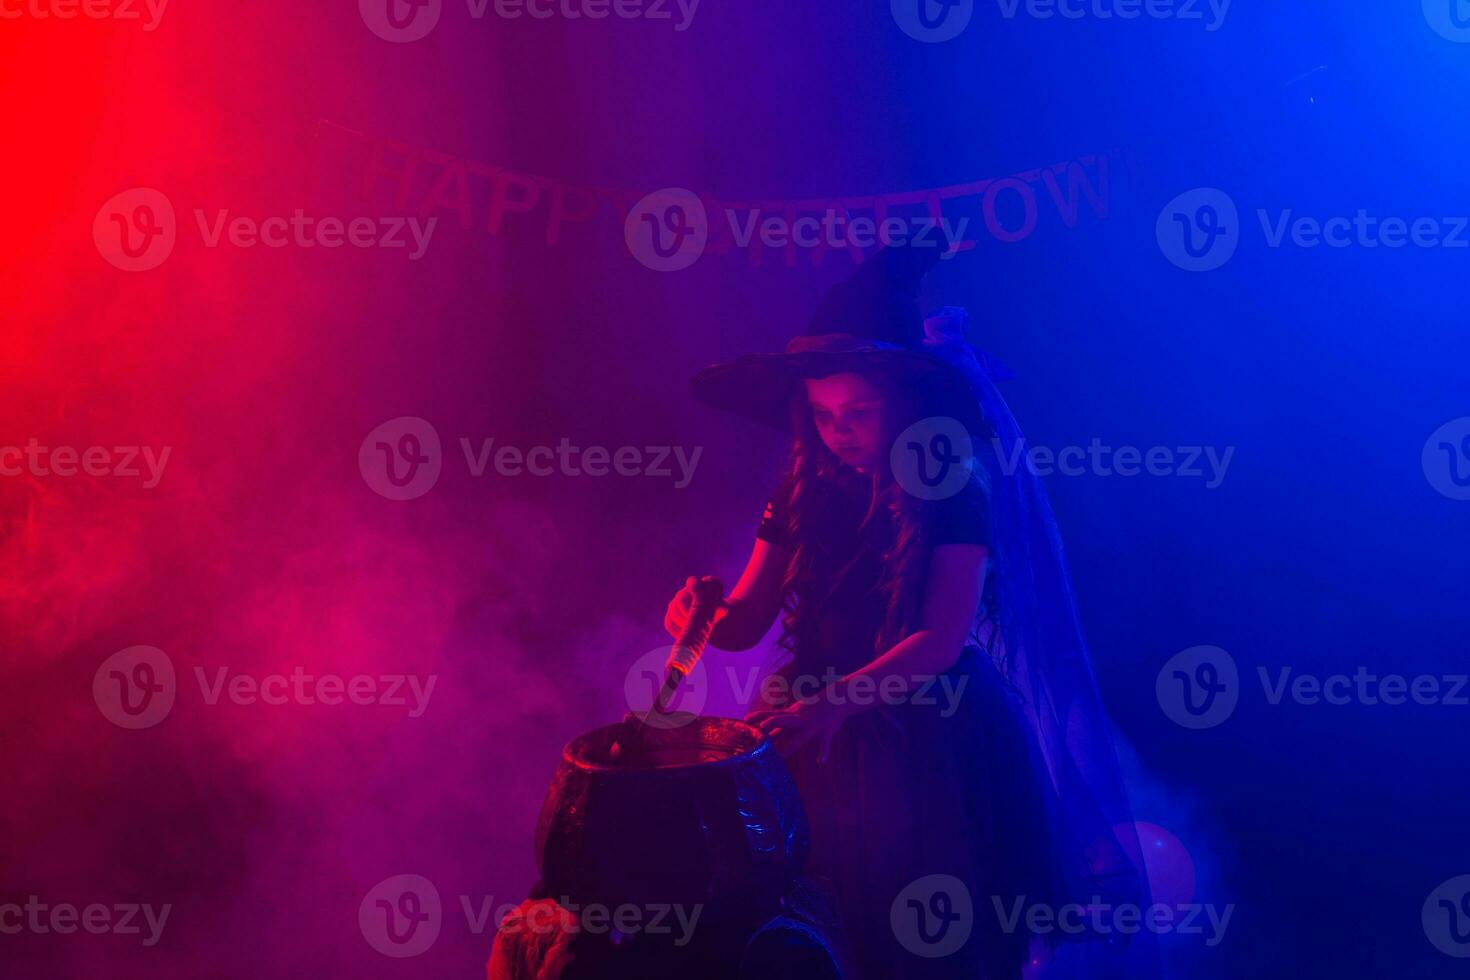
(951, 599)
(749, 609)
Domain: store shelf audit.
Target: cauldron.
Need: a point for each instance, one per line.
(702, 813)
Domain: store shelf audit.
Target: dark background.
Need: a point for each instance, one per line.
(1324, 549)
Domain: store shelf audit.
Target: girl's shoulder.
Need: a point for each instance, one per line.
(963, 518)
(774, 519)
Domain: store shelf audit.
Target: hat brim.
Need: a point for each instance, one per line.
(759, 387)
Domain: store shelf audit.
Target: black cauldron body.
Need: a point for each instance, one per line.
(703, 813)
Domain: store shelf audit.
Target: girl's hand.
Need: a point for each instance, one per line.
(801, 722)
(677, 616)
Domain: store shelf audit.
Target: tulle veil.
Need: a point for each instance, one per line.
(1042, 653)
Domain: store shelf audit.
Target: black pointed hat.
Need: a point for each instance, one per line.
(869, 320)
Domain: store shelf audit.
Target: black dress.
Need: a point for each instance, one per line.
(947, 783)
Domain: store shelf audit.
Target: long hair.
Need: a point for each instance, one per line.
(897, 525)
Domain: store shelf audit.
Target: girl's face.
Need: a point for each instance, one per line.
(850, 413)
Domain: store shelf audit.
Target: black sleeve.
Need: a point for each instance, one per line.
(963, 518)
(773, 521)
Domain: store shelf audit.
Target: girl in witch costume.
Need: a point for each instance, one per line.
(937, 708)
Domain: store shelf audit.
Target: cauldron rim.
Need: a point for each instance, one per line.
(574, 753)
